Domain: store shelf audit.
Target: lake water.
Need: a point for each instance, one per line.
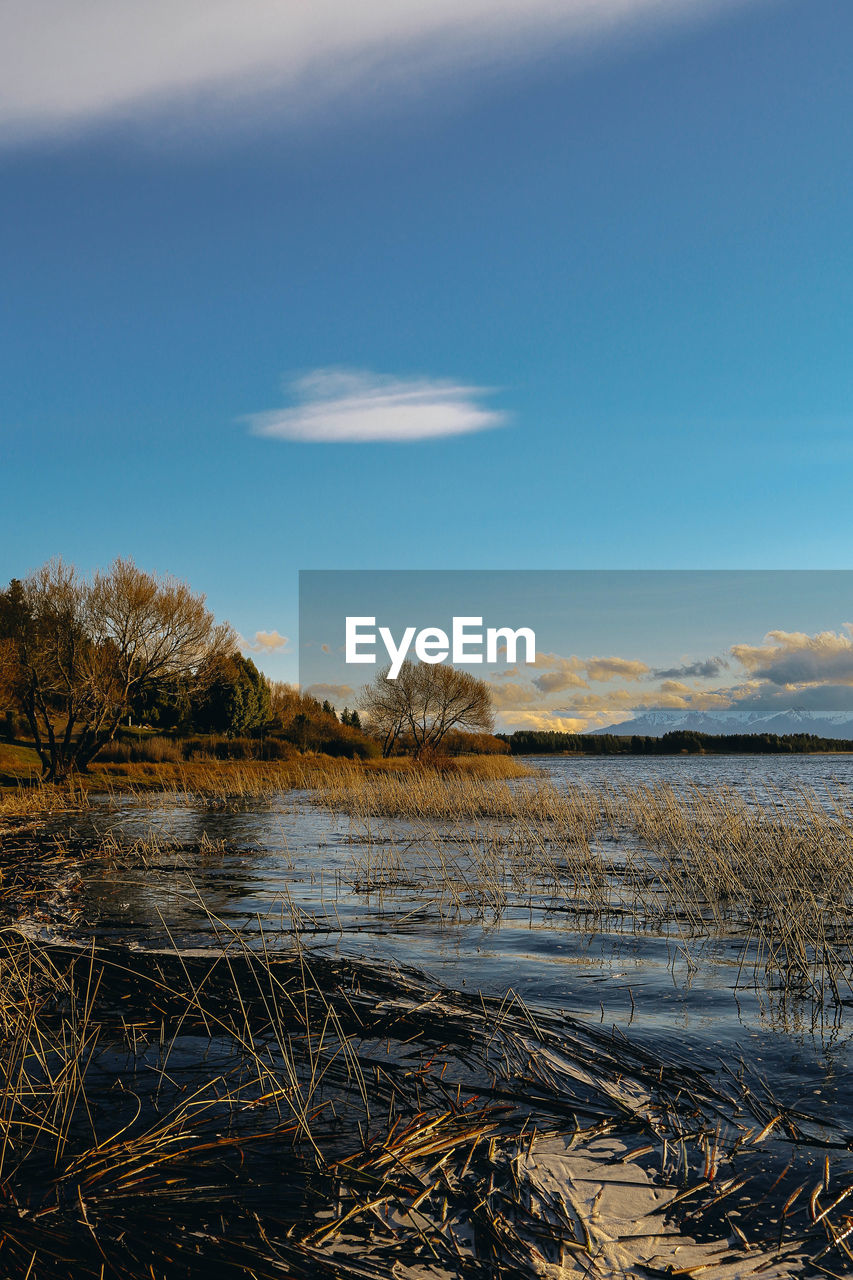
(265, 869)
(824, 774)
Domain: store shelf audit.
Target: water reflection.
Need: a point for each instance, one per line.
(289, 866)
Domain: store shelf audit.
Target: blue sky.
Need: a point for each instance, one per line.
(601, 276)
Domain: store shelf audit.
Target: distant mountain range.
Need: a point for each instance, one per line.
(656, 722)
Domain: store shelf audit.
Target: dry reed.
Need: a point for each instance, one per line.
(170, 1116)
(246, 1113)
(774, 870)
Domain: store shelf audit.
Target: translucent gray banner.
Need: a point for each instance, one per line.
(586, 651)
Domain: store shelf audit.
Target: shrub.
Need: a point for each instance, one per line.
(459, 743)
(355, 747)
(234, 749)
(219, 747)
(154, 750)
(276, 749)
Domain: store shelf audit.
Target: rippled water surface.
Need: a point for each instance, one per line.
(269, 869)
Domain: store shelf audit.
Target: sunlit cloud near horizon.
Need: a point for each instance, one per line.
(812, 672)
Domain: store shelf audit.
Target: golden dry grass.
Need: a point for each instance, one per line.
(39, 800)
(229, 780)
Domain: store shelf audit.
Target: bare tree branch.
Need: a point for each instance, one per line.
(424, 703)
(73, 651)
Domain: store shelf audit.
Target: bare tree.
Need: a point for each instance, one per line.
(73, 652)
(423, 704)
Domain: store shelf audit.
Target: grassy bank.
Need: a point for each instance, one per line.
(23, 792)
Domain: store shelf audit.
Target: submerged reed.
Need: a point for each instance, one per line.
(774, 870)
(171, 1116)
(240, 1112)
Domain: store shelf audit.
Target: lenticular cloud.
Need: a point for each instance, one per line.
(335, 406)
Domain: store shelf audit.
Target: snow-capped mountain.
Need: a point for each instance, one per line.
(655, 722)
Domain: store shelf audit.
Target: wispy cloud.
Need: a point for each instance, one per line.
(575, 673)
(706, 669)
(603, 669)
(335, 406)
(264, 642)
(509, 697)
(66, 63)
(560, 673)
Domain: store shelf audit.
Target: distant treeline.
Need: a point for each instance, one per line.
(534, 742)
